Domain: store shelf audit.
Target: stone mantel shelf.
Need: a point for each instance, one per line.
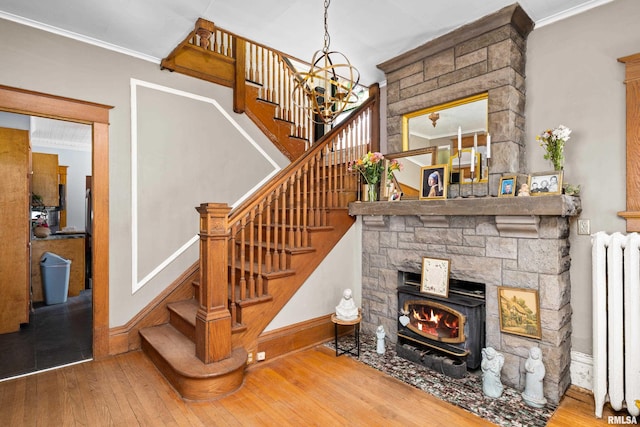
(561, 205)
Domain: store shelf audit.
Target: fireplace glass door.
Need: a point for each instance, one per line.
(435, 321)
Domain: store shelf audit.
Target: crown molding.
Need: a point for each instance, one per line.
(78, 37)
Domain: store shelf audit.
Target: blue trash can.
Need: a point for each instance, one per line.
(55, 278)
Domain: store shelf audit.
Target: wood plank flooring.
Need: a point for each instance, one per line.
(310, 388)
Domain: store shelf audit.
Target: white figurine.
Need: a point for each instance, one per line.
(404, 319)
(491, 365)
(524, 190)
(533, 394)
(346, 309)
(380, 334)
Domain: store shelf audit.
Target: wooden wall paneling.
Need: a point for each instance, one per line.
(632, 81)
(14, 218)
(44, 180)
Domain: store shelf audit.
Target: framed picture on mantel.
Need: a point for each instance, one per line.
(545, 183)
(435, 276)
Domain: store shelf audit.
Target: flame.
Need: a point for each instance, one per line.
(436, 322)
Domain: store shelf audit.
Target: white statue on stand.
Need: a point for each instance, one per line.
(491, 365)
(380, 334)
(346, 309)
(533, 394)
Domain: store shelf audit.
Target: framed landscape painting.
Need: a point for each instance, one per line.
(519, 312)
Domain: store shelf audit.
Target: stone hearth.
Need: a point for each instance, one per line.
(519, 242)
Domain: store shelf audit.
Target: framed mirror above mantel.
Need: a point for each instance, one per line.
(436, 134)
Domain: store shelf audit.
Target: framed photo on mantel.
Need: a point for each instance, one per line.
(545, 183)
(435, 276)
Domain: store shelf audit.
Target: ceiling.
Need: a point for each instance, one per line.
(369, 32)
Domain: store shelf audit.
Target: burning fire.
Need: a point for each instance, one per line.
(440, 324)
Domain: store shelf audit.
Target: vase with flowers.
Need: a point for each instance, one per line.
(370, 167)
(553, 140)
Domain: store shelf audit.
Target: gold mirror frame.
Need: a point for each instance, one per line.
(447, 118)
(407, 180)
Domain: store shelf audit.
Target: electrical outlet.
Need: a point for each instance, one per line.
(584, 226)
(260, 356)
(249, 358)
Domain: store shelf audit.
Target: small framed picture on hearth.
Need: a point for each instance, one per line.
(435, 276)
(519, 312)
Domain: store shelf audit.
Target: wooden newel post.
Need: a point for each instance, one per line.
(204, 30)
(213, 320)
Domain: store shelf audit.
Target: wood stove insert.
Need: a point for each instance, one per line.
(453, 326)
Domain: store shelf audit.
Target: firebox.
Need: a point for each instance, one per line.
(454, 326)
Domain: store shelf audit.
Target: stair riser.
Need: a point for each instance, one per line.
(183, 325)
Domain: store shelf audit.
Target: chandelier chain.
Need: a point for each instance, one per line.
(327, 39)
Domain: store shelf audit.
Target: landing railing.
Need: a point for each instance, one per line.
(271, 70)
(254, 240)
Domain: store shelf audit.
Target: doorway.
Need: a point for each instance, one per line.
(57, 329)
(97, 115)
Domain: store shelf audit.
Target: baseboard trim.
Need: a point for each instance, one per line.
(292, 338)
(126, 337)
(582, 370)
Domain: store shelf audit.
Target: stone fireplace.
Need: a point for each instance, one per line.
(519, 242)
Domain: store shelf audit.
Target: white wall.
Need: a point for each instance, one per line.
(322, 292)
(574, 79)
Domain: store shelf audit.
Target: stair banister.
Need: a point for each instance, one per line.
(316, 150)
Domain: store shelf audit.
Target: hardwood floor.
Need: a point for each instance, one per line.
(311, 387)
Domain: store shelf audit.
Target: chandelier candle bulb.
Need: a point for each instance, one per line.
(475, 140)
(459, 138)
(488, 145)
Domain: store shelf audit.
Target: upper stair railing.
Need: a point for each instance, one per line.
(242, 61)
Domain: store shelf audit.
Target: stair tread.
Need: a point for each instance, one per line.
(186, 309)
(180, 353)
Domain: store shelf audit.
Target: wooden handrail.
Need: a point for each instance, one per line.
(372, 104)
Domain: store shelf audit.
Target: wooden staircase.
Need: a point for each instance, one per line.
(254, 258)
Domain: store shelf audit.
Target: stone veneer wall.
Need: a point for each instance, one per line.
(480, 251)
(485, 56)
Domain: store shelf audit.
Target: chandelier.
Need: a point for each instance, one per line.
(329, 84)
